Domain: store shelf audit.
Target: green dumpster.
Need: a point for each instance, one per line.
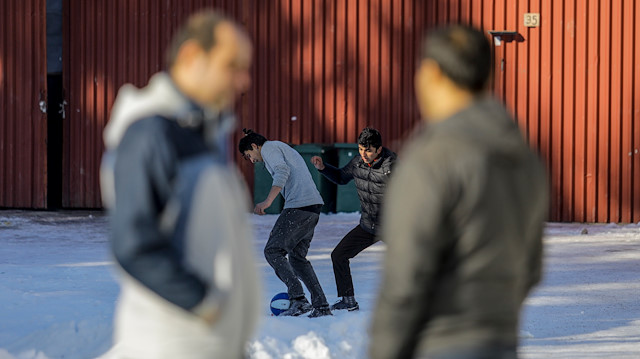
(326, 188)
(262, 182)
(347, 199)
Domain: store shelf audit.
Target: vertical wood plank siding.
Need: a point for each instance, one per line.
(324, 69)
(23, 84)
(573, 85)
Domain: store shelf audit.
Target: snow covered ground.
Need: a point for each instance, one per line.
(57, 292)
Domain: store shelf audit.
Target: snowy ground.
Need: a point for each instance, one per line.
(57, 292)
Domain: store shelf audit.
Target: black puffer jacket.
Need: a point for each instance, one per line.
(371, 182)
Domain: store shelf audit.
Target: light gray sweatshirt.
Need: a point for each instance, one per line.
(290, 172)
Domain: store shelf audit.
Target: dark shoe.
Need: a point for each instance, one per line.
(297, 307)
(320, 312)
(348, 303)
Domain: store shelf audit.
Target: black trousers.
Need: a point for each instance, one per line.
(291, 236)
(353, 243)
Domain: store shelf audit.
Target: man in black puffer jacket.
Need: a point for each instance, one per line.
(370, 171)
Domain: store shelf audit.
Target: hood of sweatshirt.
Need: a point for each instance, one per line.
(161, 98)
(158, 98)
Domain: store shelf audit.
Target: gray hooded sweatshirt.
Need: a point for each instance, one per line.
(179, 229)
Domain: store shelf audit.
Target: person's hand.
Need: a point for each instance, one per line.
(211, 316)
(211, 307)
(260, 207)
(317, 162)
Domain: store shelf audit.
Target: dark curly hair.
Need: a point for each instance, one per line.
(370, 137)
(250, 138)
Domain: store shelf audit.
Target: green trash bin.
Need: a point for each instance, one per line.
(262, 183)
(326, 188)
(347, 199)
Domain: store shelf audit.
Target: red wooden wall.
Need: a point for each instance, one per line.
(573, 85)
(324, 69)
(23, 84)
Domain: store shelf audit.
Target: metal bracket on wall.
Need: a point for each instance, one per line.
(506, 36)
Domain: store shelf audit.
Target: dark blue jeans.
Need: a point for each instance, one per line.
(291, 236)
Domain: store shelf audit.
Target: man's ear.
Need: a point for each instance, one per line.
(432, 70)
(189, 51)
(421, 76)
(254, 146)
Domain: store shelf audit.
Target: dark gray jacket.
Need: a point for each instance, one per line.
(165, 156)
(146, 167)
(371, 183)
(463, 222)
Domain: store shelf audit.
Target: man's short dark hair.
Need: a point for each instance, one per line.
(250, 138)
(199, 27)
(370, 137)
(463, 54)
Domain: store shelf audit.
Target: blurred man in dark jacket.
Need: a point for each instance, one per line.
(370, 171)
(463, 216)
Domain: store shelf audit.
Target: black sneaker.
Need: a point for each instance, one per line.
(297, 307)
(320, 312)
(348, 303)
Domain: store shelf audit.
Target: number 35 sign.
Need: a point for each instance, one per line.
(532, 19)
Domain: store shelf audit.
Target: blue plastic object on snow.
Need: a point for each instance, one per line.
(280, 303)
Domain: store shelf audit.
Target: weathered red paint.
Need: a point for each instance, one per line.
(573, 90)
(324, 69)
(23, 84)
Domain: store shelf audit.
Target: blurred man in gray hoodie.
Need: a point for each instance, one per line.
(464, 216)
(179, 235)
(292, 234)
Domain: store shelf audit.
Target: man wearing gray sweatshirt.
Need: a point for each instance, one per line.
(293, 231)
